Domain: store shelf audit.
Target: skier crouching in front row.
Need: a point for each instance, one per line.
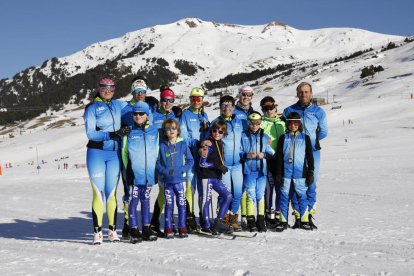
(139, 155)
(210, 177)
(294, 171)
(174, 160)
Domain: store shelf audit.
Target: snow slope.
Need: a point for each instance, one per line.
(364, 211)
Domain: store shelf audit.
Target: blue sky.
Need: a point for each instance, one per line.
(34, 31)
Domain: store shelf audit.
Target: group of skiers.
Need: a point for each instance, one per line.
(244, 156)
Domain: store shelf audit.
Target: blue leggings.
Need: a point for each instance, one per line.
(103, 168)
(270, 187)
(254, 185)
(205, 187)
(294, 189)
(234, 181)
(311, 192)
(137, 193)
(179, 190)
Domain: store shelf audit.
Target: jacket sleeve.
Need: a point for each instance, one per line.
(309, 154)
(279, 157)
(323, 125)
(204, 163)
(184, 130)
(189, 160)
(90, 125)
(159, 166)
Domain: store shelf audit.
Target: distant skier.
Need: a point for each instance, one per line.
(103, 127)
(315, 126)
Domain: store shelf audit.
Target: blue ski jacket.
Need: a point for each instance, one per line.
(102, 117)
(242, 115)
(191, 123)
(255, 142)
(299, 149)
(232, 143)
(126, 113)
(314, 122)
(182, 161)
(139, 154)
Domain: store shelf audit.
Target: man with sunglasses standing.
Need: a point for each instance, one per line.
(273, 126)
(194, 130)
(232, 143)
(316, 127)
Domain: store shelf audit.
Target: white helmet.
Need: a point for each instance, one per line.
(247, 89)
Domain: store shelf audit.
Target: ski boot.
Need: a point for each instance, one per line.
(221, 227)
(125, 230)
(209, 230)
(261, 226)
(282, 226)
(112, 235)
(97, 236)
(271, 219)
(244, 223)
(305, 226)
(251, 224)
(168, 233)
(155, 229)
(232, 222)
(182, 233)
(297, 224)
(191, 223)
(174, 229)
(147, 234)
(135, 235)
(312, 225)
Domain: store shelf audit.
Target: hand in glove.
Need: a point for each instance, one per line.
(279, 180)
(221, 168)
(309, 178)
(152, 100)
(177, 111)
(125, 130)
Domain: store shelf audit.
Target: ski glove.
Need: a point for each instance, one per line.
(178, 111)
(125, 130)
(152, 100)
(279, 180)
(309, 178)
(221, 168)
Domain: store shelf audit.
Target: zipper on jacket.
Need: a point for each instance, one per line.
(234, 140)
(145, 148)
(113, 122)
(293, 160)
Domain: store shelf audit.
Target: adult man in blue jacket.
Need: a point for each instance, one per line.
(315, 125)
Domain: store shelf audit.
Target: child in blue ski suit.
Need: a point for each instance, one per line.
(255, 151)
(174, 160)
(294, 171)
(139, 155)
(210, 177)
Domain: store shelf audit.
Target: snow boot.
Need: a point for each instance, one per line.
(135, 235)
(182, 233)
(312, 225)
(305, 226)
(112, 235)
(155, 229)
(221, 227)
(168, 233)
(97, 236)
(125, 230)
(251, 224)
(191, 223)
(261, 226)
(232, 222)
(297, 224)
(281, 227)
(147, 234)
(271, 219)
(244, 224)
(209, 230)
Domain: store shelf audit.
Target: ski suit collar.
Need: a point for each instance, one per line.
(133, 101)
(179, 139)
(196, 111)
(294, 133)
(98, 99)
(273, 120)
(243, 108)
(147, 124)
(164, 112)
(228, 118)
(303, 107)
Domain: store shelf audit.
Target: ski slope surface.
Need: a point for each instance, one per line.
(365, 196)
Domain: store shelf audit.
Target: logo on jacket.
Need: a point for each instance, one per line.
(158, 121)
(101, 108)
(96, 175)
(168, 155)
(151, 137)
(135, 137)
(193, 120)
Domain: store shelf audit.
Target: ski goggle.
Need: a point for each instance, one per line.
(165, 100)
(269, 106)
(218, 131)
(138, 113)
(223, 106)
(196, 98)
(104, 87)
(140, 90)
(293, 122)
(171, 128)
(246, 94)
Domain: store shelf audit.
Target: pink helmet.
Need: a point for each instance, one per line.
(107, 81)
